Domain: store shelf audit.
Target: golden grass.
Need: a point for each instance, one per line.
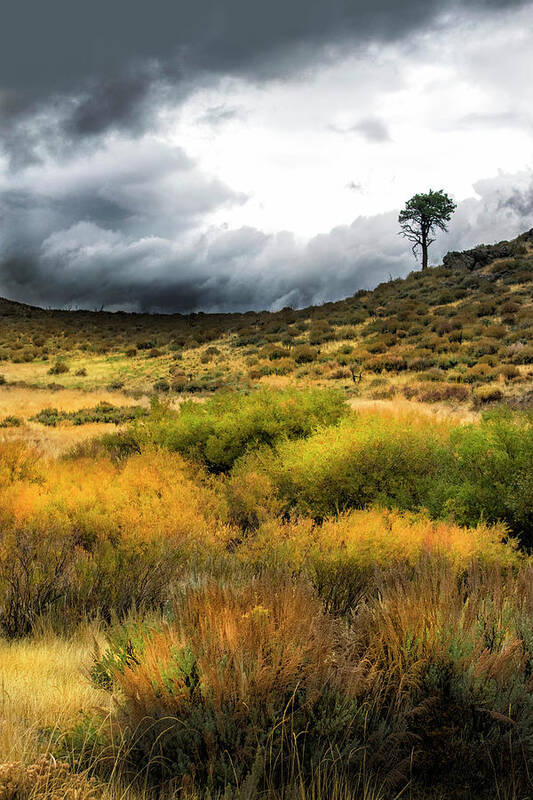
(23, 402)
(54, 441)
(43, 686)
(399, 407)
(26, 402)
(151, 495)
(139, 372)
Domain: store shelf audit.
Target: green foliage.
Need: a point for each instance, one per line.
(125, 646)
(221, 430)
(364, 460)
(477, 472)
(10, 422)
(103, 412)
(492, 478)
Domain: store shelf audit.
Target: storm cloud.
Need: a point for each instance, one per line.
(167, 157)
(113, 57)
(88, 266)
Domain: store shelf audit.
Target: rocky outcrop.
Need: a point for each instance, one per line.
(479, 257)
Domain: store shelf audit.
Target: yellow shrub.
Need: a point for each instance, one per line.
(96, 536)
(342, 554)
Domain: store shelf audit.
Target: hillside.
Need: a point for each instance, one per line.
(458, 331)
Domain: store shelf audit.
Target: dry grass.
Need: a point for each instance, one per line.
(43, 687)
(26, 402)
(399, 407)
(55, 441)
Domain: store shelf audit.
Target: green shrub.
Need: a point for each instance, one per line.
(225, 427)
(10, 422)
(491, 477)
(103, 412)
(365, 460)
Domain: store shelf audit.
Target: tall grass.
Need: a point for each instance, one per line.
(294, 601)
(91, 537)
(253, 686)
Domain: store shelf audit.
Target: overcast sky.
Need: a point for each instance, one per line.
(238, 155)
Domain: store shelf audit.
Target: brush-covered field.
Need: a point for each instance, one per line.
(268, 595)
(277, 556)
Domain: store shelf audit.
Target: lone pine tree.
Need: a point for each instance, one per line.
(422, 215)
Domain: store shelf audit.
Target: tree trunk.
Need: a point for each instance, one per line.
(424, 249)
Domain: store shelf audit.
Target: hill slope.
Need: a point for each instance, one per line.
(437, 334)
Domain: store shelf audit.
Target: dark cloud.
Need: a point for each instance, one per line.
(111, 54)
(89, 217)
(119, 102)
(142, 187)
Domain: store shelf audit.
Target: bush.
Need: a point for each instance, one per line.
(491, 478)
(225, 427)
(241, 689)
(252, 685)
(304, 354)
(367, 459)
(95, 538)
(509, 372)
(470, 472)
(523, 355)
(389, 363)
(161, 386)
(10, 422)
(487, 394)
(103, 412)
(341, 556)
(444, 392)
(59, 368)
